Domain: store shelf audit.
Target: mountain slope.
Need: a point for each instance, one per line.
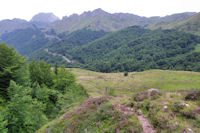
(26, 41)
(101, 20)
(131, 48)
(98, 20)
(75, 39)
(177, 17)
(66, 43)
(190, 25)
(43, 19)
(137, 49)
(7, 26)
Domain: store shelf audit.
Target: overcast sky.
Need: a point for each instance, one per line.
(25, 9)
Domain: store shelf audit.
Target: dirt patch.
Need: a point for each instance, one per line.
(147, 127)
(65, 58)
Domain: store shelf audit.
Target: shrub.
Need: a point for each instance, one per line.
(192, 95)
(125, 74)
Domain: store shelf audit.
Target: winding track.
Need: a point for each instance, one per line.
(55, 54)
(146, 125)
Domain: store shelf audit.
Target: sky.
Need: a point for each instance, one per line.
(25, 9)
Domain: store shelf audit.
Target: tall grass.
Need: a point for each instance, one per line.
(165, 80)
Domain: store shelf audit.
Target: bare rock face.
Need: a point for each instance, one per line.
(43, 19)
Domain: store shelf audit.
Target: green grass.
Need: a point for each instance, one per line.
(165, 80)
(197, 49)
(122, 89)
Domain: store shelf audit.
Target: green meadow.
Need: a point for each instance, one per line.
(96, 83)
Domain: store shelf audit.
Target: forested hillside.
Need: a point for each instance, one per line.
(77, 38)
(31, 94)
(27, 40)
(67, 42)
(136, 49)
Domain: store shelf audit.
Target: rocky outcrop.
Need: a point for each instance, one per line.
(150, 93)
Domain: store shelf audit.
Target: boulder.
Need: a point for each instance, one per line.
(150, 93)
(141, 96)
(192, 95)
(165, 108)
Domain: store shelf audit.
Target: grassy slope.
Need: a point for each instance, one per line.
(95, 83)
(125, 87)
(98, 20)
(190, 25)
(169, 82)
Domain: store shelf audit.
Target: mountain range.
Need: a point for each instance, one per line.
(94, 20)
(94, 39)
(102, 20)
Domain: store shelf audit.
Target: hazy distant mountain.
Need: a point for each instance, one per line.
(43, 19)
(94, 20)
(189, 24)
(7, 25)
(177, 17)
(98, 20)
(27, 40)
(101, 20)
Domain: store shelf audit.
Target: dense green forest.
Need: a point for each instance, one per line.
(77, 38)
(132, 49)
(31, 94)
(67, 42)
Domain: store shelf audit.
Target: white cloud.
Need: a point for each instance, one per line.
(27, 8)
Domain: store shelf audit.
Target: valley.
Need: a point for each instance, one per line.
(100, 72)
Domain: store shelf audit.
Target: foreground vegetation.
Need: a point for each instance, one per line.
(95, 115)
(175, 112)
(36, 96)
(172, 107)
(31, 94)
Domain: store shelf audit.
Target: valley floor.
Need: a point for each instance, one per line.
(164, 80)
